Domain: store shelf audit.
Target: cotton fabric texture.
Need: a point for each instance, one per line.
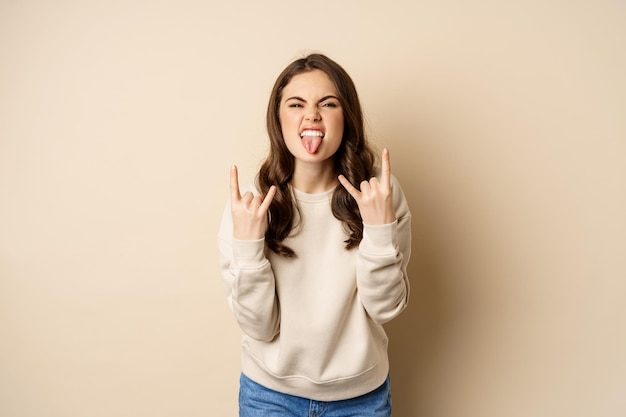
(313, 325)
(257, 401)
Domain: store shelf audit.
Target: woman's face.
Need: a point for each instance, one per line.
(311, 117)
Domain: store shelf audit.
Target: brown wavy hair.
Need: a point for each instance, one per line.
(354, 159)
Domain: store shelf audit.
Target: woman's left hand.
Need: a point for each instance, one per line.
(374, 199)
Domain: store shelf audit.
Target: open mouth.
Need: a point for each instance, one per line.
(312, 133)
(311, 139)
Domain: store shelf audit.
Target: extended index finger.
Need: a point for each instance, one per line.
(353, 191)
(265, 205)
(235, 195)
(386, 168)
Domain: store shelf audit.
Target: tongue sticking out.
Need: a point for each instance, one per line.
(311, 143)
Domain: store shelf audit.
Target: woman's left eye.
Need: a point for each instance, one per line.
(329, 104)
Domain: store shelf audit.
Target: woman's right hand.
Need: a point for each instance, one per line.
(249, 212)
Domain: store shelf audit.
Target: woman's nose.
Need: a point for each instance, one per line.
(313, 114)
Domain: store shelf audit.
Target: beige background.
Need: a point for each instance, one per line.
(119, 121)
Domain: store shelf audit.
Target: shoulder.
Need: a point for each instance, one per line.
(249, 185)
(395, 183)
(399, 198)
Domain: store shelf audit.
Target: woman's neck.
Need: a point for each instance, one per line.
(314, 179)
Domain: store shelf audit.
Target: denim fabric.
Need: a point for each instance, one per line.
(257, 401)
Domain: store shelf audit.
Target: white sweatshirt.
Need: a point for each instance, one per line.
(313, 324)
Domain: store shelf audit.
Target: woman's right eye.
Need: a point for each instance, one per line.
(295, 105)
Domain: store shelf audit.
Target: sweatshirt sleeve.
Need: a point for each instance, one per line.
(382, 260)
(249, 282)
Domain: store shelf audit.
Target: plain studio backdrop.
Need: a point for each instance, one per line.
(119, 120)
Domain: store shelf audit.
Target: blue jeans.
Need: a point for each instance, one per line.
(257, 401)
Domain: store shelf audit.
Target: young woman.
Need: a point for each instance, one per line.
(314, 253)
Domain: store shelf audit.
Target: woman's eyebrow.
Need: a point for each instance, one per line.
(320, 100)
(328, 97)
(296, 98)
